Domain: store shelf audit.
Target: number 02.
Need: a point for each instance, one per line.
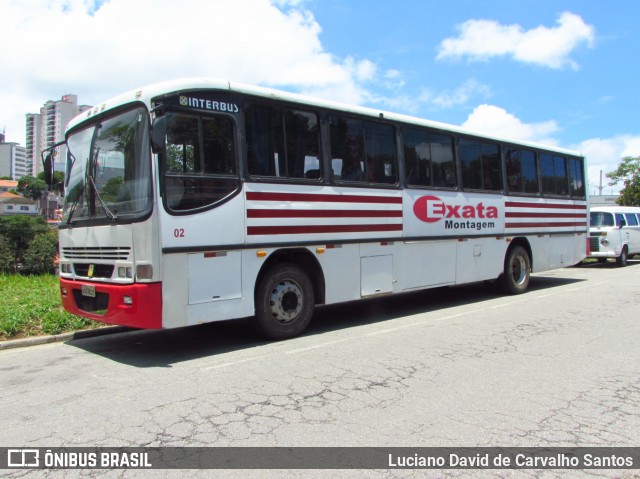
(178, 233)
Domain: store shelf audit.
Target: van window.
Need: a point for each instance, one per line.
(619, 219)
(601, 218)
(631, 219)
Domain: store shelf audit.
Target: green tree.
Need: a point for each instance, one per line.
(40, 254)
(31, 187)
(58, 181)
(18, 231)
(628, 172)
(7, 261)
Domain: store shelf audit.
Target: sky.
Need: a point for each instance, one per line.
(557, 72)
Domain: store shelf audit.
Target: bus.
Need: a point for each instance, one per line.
(202, 200)
(614, 233)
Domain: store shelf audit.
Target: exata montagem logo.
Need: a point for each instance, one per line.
(432, 209)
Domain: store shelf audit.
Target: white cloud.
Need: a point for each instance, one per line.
(496, 121)
(97, 50)
(604, 155)
(459, 96)
(549, 47)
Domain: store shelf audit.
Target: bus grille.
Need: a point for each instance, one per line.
(99, 270)
(108, 253)
(594, 243)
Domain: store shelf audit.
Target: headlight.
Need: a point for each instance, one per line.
(125, 272)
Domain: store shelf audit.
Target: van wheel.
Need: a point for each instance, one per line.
(623, 258)
(284, 302)
(517, 271)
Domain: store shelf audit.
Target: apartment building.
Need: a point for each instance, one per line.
(13, 160)
(47, 128)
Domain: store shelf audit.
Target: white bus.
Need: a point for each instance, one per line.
(614, 233)
(202, 200)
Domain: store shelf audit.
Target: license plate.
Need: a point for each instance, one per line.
(89, 290)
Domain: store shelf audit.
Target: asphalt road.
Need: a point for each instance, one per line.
(557, 366)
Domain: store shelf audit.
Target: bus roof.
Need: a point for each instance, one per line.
(146, 93)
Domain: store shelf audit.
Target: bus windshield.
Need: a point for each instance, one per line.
(601, 218)
(108, 173)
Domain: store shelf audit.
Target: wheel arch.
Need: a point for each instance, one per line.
(524, 242)
(303, 258)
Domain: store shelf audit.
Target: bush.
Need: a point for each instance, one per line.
(17, 233)
(7, 260)
(40, 254)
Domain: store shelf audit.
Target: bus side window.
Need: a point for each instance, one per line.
(555, 180)
(522, 172)
(428, 159)
(362, 152)
(480, 165)
(282, 143)
(199, 161)
(576, 177)
(347, 149)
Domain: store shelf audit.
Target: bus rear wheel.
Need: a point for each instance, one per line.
(284, 302)
(517, 271)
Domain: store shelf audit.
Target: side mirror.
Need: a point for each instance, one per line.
(158, 133)
(623, 223)
(48, 169)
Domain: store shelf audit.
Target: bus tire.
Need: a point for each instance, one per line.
(623, 258)
(517, 271)
(284, 302)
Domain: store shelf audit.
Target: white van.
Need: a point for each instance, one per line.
(614, 233)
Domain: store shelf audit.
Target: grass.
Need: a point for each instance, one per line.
(30, 306)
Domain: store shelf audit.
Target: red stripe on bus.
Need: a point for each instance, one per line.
(261, 196)
(520, 204)
(520, 214)
(283, 230)
(547, 224)
(323, 214)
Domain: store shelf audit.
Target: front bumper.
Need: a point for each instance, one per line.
(138, 305)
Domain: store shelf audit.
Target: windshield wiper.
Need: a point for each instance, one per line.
(110, 214)
(72, 209)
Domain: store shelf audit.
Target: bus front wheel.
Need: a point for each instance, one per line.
(517, 271)
(284, 302)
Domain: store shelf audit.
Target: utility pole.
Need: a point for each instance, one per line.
(600, 187)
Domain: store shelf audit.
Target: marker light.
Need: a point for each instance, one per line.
(127, 300)
(144, 271)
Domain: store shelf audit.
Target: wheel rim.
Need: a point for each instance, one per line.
(286, 301)
(518, 270)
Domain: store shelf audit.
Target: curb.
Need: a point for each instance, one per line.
(54, 338)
